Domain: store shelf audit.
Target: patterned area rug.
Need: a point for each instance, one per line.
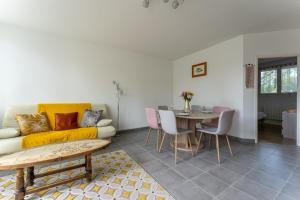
(116, 177)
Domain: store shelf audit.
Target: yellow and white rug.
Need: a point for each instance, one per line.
(116, 177)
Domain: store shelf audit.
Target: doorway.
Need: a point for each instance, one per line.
(277, 100)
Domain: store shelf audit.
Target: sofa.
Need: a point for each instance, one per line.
(11, 140)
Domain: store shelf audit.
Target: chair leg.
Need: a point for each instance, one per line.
(161, 143)
(175, 145)
(158, 139)
(199, 142)
(229, 145)
(218, 148)
(191, 147)
(209, 142)
(148, 136)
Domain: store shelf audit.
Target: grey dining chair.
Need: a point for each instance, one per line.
(169, 126)
(196, 108)
(224, 125)
(163, 107)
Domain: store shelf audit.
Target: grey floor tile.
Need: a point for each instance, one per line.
(283, 173)
(266, 179)
(168, 178)
(210, 183)
(255, 189)
(189, 191)
(291, 190)
(282, 196)
(224, 174)
(202, 164)
(142, 157)
(235, 167)
(154, 166)
(295, 179)
(187, 170)
(234, 194)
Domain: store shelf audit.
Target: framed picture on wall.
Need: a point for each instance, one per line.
(199, 69)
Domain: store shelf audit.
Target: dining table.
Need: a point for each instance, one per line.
(189, 121)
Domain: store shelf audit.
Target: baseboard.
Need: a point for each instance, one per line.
(242, 140)
(131, 130)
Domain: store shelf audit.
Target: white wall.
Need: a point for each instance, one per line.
(36, 67)
(223, 84)
(260, 45)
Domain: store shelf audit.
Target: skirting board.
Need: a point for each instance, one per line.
(241, 140)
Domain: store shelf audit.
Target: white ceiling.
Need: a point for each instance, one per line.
(159, 30)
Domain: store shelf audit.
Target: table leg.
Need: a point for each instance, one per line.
(20, 187)
(30, 176)
(88, 167)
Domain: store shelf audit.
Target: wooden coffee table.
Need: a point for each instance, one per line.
(48, 154)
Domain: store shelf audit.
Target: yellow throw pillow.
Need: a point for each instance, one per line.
(33, 123)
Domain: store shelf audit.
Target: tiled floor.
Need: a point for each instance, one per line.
(263, 171)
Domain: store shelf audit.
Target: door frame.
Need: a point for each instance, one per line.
(256, 94)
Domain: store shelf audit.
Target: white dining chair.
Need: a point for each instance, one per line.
(224, 125)
(169, 126)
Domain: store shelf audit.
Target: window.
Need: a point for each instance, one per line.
(289, 80)
(268, 81)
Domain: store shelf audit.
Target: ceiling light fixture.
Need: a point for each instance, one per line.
(175, 3)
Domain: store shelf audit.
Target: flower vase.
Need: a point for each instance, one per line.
(187, 106)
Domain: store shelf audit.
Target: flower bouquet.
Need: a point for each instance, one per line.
(187, 96)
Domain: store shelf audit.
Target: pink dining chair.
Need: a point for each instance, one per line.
(153, 123)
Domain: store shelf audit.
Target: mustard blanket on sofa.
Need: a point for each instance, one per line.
(44, 138)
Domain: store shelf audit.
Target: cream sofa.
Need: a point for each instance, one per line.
(10, 139)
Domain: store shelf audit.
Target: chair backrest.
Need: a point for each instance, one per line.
(219, 109)
(168, 121)
(225, 122)
(196, 108)
(163, 107)
(152, 118)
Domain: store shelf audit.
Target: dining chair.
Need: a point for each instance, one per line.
(224, 125)
(153, 123)
(214, 122)
(196, 108)
(163, 107)
(169, 126)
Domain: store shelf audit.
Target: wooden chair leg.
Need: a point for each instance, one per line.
(229, 145)
(158, 140)
(191, 147)
(209, 142)
(218, 148)
(148, 136)
(175, 145)
(199, 142)
(162, 142)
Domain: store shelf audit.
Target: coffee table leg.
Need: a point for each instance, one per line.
(20, 188)
(88, 167)
(30, 176)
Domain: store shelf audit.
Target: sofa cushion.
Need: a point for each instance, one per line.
(104, 122)
(106, 132)
(33, 123)
(11, 145)
(9, 133)
(66, 121)
(51, 109)
(52, 137)
(90, 118)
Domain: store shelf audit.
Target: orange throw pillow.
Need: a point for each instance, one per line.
(65, 121)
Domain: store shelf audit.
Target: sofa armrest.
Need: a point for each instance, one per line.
(104, 122)
(9, 133)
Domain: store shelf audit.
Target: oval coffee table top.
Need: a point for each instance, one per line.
(50, 153)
